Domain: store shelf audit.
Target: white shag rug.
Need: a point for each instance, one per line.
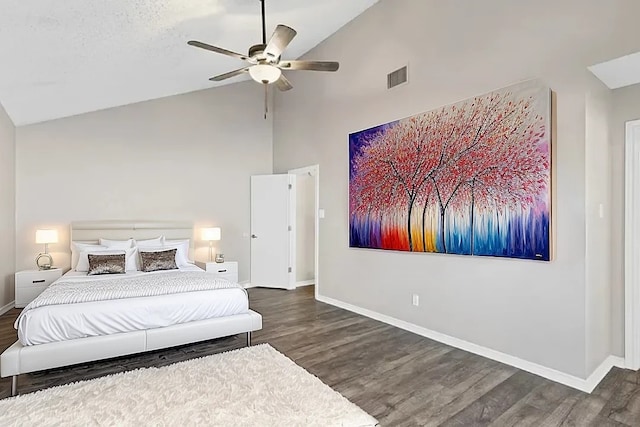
(252, 386)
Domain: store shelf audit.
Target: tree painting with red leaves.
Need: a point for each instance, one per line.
(469, 178)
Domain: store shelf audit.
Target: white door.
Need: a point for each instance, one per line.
(272, 225)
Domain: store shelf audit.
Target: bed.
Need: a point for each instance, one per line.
(67, 333)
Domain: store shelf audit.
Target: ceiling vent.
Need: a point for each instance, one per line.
(397, 77)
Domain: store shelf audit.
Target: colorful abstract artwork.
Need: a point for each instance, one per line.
(471, 178)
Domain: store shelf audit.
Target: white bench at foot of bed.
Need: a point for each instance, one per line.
(19, 359)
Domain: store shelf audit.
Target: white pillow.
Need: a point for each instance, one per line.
(117, 244)
(182, 254)
(130, 257)
(158, 241)
(77, 247)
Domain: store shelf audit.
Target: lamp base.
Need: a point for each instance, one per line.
(44, 261)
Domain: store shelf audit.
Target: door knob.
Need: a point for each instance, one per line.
(253, 236)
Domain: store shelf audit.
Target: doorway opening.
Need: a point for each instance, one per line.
(307, 225)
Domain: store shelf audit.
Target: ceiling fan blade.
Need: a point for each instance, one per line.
(229, 74)
(309, 65)
(283, 83)
(280, 39)
(217, 49)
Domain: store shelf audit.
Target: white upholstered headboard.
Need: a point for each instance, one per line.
(92, 231)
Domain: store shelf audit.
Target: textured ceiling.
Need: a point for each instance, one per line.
(61, 58)
(619, 72)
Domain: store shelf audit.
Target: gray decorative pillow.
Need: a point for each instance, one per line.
(106, 264)
(158, 260)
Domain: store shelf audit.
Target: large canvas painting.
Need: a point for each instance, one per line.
(471, 178)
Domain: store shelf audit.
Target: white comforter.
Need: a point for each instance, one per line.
(58, 314)
(76, 290)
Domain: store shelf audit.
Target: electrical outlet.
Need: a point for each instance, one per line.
(415, 298)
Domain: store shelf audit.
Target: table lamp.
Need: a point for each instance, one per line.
(44, 260)
(210, 235)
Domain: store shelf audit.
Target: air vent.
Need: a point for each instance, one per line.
(397, 77)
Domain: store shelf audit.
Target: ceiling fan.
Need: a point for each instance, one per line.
(265, 60)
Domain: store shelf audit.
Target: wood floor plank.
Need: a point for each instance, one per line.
(606, 422)
(558, 415)
(610, 383)
(548, 396)
(435, 410)
(488, 407)
(521, 415)
(584, 412)
(631, 376)
(624, 405)
(400, 378)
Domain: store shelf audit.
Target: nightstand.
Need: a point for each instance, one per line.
(223, 270)
(30, 283)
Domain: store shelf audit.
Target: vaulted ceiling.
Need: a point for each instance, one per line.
(61, 58)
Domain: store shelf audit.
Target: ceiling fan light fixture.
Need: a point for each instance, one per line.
(265, 73)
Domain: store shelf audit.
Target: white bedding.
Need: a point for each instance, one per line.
(69, 321)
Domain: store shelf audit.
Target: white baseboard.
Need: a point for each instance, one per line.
(246, 284)
(586, 385)
(7, 307)
(305, 283)
(601, 371)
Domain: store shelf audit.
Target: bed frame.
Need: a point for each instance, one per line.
(19, 359)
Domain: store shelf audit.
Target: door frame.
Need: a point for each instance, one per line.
(314, 171)
(632, 246)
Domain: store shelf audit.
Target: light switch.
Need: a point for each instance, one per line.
(601, 210)
(320, 213)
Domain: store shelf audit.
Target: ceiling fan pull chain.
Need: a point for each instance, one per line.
(266, 101)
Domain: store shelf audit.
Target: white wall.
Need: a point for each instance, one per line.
(457, 49)
(598, 231)
(7, 208)
(305, 227)
(186, 157)
(626, 107)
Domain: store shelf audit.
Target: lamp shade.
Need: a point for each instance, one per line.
(212, 233)
(46, 236)
(264, 73)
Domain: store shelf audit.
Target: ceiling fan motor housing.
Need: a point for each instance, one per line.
(256, 49)
(256, 52)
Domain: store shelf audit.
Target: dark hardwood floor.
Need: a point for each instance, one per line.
(400, 378)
